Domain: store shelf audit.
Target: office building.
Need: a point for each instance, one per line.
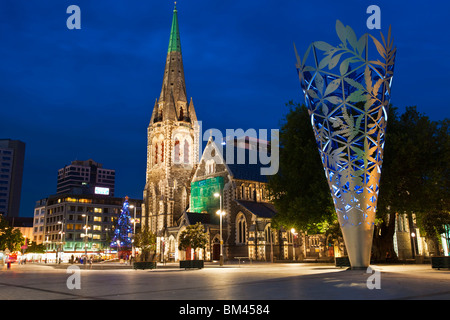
(12, 156)
(86, 177)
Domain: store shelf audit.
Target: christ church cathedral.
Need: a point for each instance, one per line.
(183, 183)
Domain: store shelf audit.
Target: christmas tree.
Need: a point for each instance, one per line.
(123, 231)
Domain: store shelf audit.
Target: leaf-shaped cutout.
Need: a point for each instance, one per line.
(376, 87)
(324, 109)
(324, 62)
(334, 61)
(334, 99)
(344, 66)
(312, 94)
(323, 46)
(373, 130)
(319, 82)
(368, 79)
(379, 46)
(356, 96)
(351, 37)
(299, 63)
(306, 55)
(332, 86)
(354, 83)
(361, 44)
(340, 30)
(369, 103)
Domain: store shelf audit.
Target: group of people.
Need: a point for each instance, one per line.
(81, 260)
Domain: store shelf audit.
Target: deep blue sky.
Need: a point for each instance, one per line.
(89, 93)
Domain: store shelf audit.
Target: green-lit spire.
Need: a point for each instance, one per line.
(174, 42)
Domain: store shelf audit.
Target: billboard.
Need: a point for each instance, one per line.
(101, 190)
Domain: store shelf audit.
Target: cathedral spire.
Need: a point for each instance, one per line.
(174, 42)
(172, 102)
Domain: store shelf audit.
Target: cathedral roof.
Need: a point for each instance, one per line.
(261, 209)
(203, 218)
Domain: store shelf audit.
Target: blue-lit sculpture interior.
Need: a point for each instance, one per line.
(348, 98)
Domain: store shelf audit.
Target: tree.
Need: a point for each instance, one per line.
(415, 175)
(123, 230)
(146, 240)
(10, 238)
(193, 237)
(300, 191)
(36, 248)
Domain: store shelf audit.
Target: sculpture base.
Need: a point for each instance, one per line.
(358, 241)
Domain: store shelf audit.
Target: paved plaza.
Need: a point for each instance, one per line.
(257, 281)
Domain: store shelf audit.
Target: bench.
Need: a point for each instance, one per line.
(239, 258)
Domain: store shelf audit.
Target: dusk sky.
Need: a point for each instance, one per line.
(89, 93)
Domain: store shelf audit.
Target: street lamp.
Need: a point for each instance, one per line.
(294, 234)
(220, 213)
(63, 224)
(133, 249)
(85, 236)
(413, 235)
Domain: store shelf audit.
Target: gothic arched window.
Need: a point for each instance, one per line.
(268, 235)
(186, 152)
(241, 226)
(176, 151)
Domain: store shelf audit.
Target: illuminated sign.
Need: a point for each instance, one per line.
(100, 190)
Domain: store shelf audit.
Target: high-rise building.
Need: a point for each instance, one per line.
(173, 144)
(86, 177)
(12, 156)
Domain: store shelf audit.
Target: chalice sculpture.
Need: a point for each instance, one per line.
(347, 96)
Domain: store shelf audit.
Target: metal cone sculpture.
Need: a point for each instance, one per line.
(348, 99)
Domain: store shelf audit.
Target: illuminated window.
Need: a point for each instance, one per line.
(186, 151)
(210, 166)
(98, 210)
(241, 226)
(98, 219)
(97, 228)
(156, 153)
(177, 151)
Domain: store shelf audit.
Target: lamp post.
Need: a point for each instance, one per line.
(62, 223)
(85, 236)
(220, 213)
(413, 235)
(294, 234)
(133, 249)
